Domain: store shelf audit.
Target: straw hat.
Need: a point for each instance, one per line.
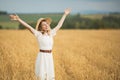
(48, 20)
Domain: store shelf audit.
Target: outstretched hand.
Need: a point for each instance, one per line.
(67, 11)
(14, 17)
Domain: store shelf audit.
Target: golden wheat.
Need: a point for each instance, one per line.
(78, 55)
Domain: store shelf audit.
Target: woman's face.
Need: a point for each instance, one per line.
(45, 26)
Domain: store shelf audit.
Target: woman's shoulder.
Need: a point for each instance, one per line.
(53, 32)
(36, 32)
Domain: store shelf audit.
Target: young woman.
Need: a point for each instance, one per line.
(44, 67)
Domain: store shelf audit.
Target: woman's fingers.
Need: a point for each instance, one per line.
(67, 11)
(11, 17)
(14, 17)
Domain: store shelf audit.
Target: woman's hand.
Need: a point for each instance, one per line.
(67, 11)
(14, 17)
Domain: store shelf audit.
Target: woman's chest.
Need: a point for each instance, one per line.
(45, 40)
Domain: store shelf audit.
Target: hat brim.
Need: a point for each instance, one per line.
(48, 20)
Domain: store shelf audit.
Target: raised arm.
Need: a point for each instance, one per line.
(60, 23)
(17, 18)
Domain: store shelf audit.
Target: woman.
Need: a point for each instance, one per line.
(44, 67)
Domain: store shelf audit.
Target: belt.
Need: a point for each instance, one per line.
(46, 51)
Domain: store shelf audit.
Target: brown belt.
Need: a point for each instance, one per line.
(46, 51)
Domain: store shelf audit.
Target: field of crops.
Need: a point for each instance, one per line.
(78, 55)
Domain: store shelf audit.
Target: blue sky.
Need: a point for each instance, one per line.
(52, 6)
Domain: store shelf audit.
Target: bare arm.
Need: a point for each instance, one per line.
(16, 18)
(60, 23)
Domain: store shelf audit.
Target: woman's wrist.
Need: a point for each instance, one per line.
(18, 19)
(65, 14)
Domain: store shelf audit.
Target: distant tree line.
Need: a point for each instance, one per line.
(3, 13)
(112, 21)
(78, 22)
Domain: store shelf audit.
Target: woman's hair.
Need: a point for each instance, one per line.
(40, 27)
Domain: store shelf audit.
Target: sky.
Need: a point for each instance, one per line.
(56, 6)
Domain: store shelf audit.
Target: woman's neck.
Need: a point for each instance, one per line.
(45, 32)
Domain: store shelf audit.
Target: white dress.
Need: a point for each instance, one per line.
(44, 67)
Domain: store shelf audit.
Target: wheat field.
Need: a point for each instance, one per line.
(78, 55)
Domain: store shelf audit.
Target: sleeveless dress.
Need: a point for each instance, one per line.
(44, 66)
